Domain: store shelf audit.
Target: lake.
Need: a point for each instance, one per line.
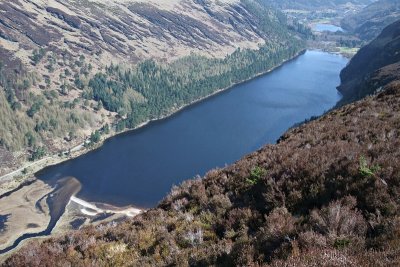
(140, 167)
(321, 27)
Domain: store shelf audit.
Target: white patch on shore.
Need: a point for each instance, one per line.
(88, 213)
(94, 210)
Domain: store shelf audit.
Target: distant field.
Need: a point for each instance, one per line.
(348, 50)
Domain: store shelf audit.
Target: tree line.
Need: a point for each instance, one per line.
(151, 90)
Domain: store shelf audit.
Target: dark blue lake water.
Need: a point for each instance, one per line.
(140, 167)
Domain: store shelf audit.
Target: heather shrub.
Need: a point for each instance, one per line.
(279, 224)
(340, 222)
(275, 236)
(242, 253)
(310, 239)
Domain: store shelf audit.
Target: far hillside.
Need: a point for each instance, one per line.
(314, 4)
(370, 21)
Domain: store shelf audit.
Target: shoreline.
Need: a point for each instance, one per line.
(53, 215)
(188, 105)
(91, 209)
(80, 149)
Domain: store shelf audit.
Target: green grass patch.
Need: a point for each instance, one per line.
(348, 50)
(366, 170)
(255, 175)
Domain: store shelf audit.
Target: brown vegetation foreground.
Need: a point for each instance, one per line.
(328, 194)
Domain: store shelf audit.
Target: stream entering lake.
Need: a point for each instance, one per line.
(141, 166)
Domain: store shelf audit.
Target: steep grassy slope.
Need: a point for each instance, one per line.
(130, 31)
(374, 66)
(327, 194)
(127, 31)
(370, 21)
(69, 68)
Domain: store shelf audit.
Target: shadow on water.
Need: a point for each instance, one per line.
(57, 201)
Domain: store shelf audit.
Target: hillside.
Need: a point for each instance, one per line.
(370, 21)
(127, 31)
(327, 193)
(73, 70)
(314, 4)
(374, 66)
